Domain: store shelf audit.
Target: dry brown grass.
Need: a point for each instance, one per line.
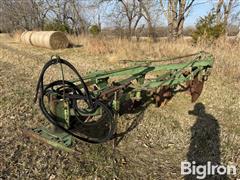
(226, 52)
(152, 150)
(125, 49)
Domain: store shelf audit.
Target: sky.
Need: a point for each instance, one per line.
(202, 8)
(199, 9)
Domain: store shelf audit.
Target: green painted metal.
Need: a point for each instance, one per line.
(170, 75)
(61, 110)
(173, 79)
(55, 137)
(145, 68)
(132, 83)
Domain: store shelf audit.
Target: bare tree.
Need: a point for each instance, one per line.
(70, 13)
(134, 13)
(218, 10)
(132, 10)
(176, 11)
(148, 11)
(80, 24)
(129, 11)
(59, 10)
(35, 14)
(24, 14)
(224, 9)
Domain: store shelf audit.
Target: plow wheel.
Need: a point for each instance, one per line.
(195, 88)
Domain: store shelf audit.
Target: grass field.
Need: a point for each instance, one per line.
(162, 138)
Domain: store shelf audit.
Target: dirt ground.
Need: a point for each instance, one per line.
(153, 149)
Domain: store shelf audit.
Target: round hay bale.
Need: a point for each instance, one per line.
(47, 39)
(50, 39)
(26, 37)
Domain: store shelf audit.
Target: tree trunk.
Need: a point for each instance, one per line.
(181, 17)
(148, 18)
(129, 29)
(176, 12)
(227, 11)
(218, 11)
(170, 19)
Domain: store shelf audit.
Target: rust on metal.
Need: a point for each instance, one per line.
(195, 88)
(111, 90)
(163, 95)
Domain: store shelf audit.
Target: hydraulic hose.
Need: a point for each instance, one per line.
(75, 95)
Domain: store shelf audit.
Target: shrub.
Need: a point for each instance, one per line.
(95, 30)
(207, 29)
(56, 25)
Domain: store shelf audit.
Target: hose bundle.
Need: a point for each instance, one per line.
(72, 93)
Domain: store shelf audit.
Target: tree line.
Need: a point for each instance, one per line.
(125, 17)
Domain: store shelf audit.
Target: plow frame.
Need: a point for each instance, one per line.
(144, 79)
(173, 78)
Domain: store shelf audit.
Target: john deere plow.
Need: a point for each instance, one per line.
(87, 108)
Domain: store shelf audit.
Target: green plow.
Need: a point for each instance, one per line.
(86, 108)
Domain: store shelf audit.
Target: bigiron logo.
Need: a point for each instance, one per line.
(202, 171)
